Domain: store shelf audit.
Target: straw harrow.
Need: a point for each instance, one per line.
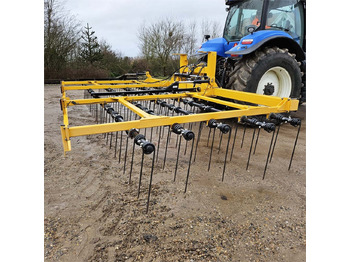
(149, 113)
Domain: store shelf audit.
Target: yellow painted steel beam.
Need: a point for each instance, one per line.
(85, 87)
(218, 101)
(113, 99)
(252, 97)
(164, 121)
(135, 109)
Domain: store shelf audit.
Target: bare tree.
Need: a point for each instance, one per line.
(60, 36)
(190, 43)
(160, 40)
(211, 28)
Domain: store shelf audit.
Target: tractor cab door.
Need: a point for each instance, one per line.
(288, 16)
(285, 15)
(241, 15)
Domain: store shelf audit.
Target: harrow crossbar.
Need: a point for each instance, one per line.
(203, 89)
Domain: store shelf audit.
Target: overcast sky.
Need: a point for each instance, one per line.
(118, 21)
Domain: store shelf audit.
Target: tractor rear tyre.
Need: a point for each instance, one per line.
(270, 71)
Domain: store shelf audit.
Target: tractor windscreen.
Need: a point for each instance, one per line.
(240, 16)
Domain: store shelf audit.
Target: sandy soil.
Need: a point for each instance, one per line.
(92, 213)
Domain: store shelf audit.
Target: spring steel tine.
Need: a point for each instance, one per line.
(227, 147)
(158, 144)
(245, 127)
(177, 158)
(199, 136)
(189, 165)
(116, 143)
(208, 137)
(96, 109)
(126, 153)
(211, 150)
(220, 142)
(185, 148)
(251, 146)
(120, 143)
(132, 162)
(110, 141)
(295, 143)
(177, 140)
(234, 140)
(166, 146)
(256, 141)
(150, 182)
(274, 144)
(151, 133)
(268, 154)
(140, 177)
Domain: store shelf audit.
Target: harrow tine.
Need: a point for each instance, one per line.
(294, 122)
(251, 146)
(245, 127)
(140, 177)
(132, 161)
(150, 182)
(110, 142)
(177, 158)
(295, 144)
(116, 143)
(274, 144)
(187, 134)
(186, 147)
(166, 146)
(224, 129)
(228, 143)
(257, 139)
(159, 134)
(126, 153)
(151, 133)
(177, 140)
(120, 144)
(268, 154)
(208, 137)
(189, 165)
(220, 142)
(234, 140)
(199, 136)
(211, 150)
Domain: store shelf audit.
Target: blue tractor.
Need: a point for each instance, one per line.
(263, 48)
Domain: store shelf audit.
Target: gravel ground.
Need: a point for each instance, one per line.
(92, 213)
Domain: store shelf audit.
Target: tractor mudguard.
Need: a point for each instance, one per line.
(252, 42)
(218, 45)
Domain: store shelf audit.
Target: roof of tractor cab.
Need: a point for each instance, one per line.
(232, 2)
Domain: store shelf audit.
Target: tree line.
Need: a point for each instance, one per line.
(73, 51)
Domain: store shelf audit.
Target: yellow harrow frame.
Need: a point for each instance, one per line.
(203, 88)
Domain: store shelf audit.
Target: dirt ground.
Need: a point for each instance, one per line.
(92, 213)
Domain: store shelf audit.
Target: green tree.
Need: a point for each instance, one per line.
(90, 48)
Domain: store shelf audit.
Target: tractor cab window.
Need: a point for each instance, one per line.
(286, 15)
(240, 16)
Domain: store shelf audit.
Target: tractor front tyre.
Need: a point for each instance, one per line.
(270, 71)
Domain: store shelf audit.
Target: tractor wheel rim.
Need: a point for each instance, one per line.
(279, 78)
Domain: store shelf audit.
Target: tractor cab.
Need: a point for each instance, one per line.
(245, 17)
(269, 36)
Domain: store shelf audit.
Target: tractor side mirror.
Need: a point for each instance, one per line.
(251, 29)
(206, 37)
